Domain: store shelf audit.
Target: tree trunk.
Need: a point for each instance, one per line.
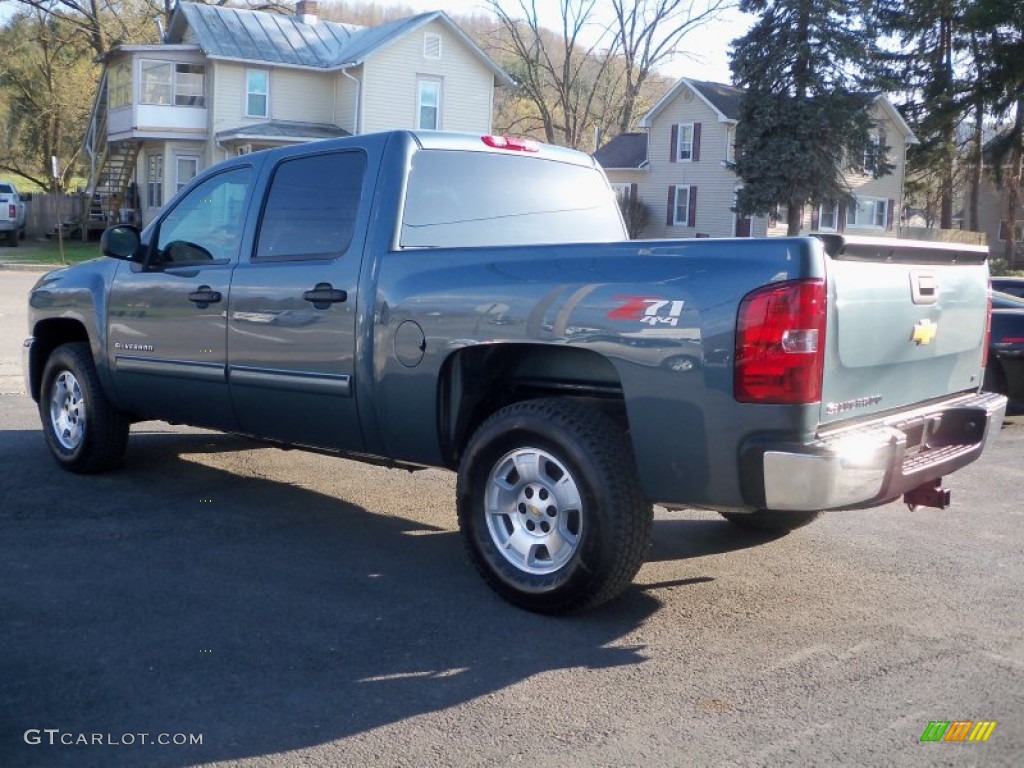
(1013, 188)
(794, 218)
(974, 184)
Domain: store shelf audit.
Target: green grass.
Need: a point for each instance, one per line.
(48, 252)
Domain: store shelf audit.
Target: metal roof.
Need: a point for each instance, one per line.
(241, 34)
(282, 130)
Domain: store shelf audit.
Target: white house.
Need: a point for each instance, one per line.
(227, 81)
(681, 165)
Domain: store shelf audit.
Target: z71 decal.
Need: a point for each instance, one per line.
(649, 310)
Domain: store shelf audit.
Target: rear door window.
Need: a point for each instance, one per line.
(311, 207)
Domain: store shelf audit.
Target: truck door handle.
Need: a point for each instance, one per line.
(325, 294)
(204, 297)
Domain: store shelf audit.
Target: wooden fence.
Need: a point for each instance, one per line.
(962, 236)
(44, 210)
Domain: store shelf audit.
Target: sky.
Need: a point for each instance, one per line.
(708, 59)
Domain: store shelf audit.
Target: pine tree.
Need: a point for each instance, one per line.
(804, 118)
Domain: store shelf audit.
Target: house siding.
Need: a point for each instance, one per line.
(715, 182)
(346, 94)
(391, 103)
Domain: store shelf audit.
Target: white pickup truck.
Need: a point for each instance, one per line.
(12, 212)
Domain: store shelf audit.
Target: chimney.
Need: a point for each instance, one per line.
(307, 11)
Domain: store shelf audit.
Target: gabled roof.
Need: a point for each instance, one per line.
(625, 151)
(725, 101)
(239, 34)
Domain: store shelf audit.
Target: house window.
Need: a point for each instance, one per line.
(257, 92)
(1018, 231)
(154, 180)
(681, 207)
(730, 145)
(684, 141)
(869, 163)
(623, 192)
(189, 85)
(432, 46)
(868, 213)
(157, 82)
(185, 169)
(165, 82)
(429, 113)
(119, 86)
(828, 218)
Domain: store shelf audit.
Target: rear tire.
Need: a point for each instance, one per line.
(771, 520)
(83, 430)
(12, 238)
(550, 507)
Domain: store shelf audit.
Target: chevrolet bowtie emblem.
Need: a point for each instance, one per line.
(924, 332)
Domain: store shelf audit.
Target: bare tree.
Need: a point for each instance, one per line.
(648, 33)
(558, 72)
(105, 23)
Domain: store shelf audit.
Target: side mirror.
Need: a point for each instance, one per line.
(120, 242)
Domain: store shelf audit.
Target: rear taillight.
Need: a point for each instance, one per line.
(780, 343)
(988, 331)
(12, 212)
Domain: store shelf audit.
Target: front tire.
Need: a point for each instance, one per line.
(83, 430)
(550, 507)
(771, 520)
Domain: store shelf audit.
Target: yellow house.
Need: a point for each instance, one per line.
(227, 81)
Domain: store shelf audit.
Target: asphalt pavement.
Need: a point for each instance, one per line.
(285, 608)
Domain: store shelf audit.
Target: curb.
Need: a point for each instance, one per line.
(27, 266)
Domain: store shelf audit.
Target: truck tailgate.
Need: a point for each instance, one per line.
(906, 324)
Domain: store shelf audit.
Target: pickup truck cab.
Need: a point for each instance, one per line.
(473, 303)
(12, 213)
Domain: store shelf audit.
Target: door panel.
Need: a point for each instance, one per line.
(292, 309)
(167, 322)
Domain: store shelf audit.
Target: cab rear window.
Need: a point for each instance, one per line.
(463, 199)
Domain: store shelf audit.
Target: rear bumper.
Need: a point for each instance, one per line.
(873, 463)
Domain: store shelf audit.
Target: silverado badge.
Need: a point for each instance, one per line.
(924, 332)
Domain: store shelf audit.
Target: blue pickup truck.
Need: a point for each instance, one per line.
(473, 303)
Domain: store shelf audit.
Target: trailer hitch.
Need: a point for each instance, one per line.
(930, 494)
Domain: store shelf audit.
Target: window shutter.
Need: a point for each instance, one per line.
(671, 206)
(691, 218)
(674, 149)
(695, 156)
(841, 219)
(890, 213)
(815, 217)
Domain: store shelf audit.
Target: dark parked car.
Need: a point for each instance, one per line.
(1011, 285)
(1005, 370)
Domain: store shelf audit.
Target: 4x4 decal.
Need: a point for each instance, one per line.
(650, 310)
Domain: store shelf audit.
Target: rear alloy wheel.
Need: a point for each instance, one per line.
(550, 507)
(83, 430)
(771, 520)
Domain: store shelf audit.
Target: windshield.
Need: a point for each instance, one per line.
(461, 199)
